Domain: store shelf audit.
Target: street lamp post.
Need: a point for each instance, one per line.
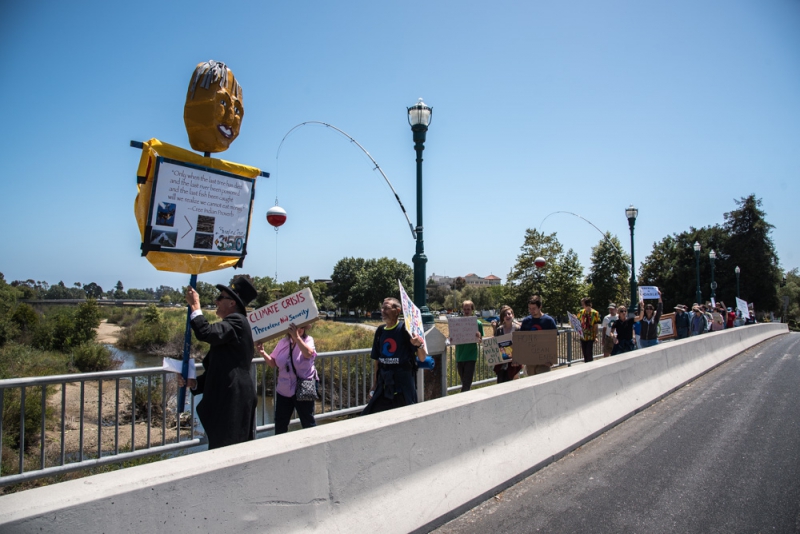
(713, 256)
(698, 296)
(631, 213)
(737, 270)
(419, 117)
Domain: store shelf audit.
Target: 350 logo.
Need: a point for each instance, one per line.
(230, 242)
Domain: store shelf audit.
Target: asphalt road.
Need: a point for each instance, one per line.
(721, 454)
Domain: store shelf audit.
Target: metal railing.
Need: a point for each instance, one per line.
(116, 407)
(129, 414)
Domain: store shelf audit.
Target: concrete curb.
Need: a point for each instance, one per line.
(401, 471)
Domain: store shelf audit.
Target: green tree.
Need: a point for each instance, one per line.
(459, 283)
(119, 290)
(141, 294)
(378, 280)
(564, 287)
(750, 247)
(207, 292)
(266, 286)
(344, 278)
(8, 300)
(93, 291)
(791, 290)
(168, 295)
(609, 274)
(525, 279)
(61, 291)
(87, 319)
(436, 294)
(497, 296)
(672, 267)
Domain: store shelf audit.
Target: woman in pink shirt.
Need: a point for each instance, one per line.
(301, 347)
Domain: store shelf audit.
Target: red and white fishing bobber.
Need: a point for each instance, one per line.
(539, 262)
(276, 216)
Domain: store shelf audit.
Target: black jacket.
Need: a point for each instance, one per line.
(227, 410)
(650, 330)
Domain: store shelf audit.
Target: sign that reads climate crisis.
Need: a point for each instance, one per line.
(272, 320)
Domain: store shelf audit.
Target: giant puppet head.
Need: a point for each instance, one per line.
(214, 110)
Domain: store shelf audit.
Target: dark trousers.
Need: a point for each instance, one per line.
(383, 403)
(284, 406)
(587, 348)
(466, 370)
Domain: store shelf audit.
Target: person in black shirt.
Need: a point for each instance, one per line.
(624, 329)
(393, 353)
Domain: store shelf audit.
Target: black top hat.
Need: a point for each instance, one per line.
(241, 290)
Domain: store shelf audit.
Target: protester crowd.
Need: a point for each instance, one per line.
(227, 409)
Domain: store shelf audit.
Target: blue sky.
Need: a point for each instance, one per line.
(677, 107)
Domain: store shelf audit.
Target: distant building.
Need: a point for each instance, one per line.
(476, 281)
(442, 280)
(472, 279)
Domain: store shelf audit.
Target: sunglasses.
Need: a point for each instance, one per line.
(223, 297)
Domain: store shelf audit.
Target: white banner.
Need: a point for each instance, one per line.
(272, 320)
(648, 292)
(412, 316)
(199, 210)
(741, 305)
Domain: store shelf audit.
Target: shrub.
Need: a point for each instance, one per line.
(25, 317)
(33, 416)
(87, 319)
(92, 357)
(140, 399)
(152, 315)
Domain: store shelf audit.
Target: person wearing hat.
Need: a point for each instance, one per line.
(227, 409)
(682, 321)
(608, 335)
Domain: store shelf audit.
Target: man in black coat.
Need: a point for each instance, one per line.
(227, 410)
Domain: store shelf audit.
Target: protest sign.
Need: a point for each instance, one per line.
(195, 209)
(741, 305)
(412, 316)
(174, 236)
(576, 324)
(666, 327)
(462, 330)
(537, 347)
(497, 350)
(273, 320)
(648, 293)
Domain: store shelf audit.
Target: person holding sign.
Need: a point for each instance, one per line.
(393, 352)
(649, 335)
(506, 371)
(227, 410)
(538, 320)
(294, 357)
(467, 355)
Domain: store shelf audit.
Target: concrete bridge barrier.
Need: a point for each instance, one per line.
(400, 471)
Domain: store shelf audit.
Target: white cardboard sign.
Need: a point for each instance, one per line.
(648, 292)
(272, 320)
(462, 330)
